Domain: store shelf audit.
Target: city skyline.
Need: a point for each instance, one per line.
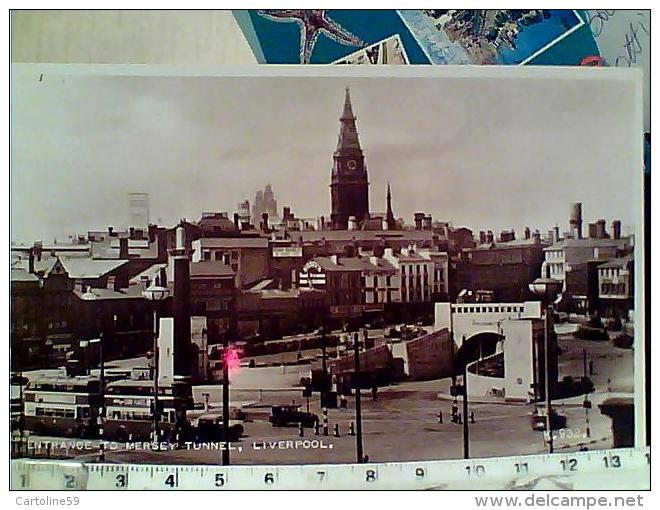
(177, 138)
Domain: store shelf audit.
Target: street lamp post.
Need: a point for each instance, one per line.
(225, 399)
(100, 419)
(155, 293)
(358, 404)
(547, 288)
(466, 430)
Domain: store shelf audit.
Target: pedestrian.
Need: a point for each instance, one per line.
(440, 416)
(374, 392)
(454, 412)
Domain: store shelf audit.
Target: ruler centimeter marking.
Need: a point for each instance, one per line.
(498, 472)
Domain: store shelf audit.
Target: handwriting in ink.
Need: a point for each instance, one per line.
(597, 20)
(632, 44)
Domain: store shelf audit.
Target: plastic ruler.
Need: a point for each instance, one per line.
(618, 468)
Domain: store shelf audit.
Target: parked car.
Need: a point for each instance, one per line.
(570, 387)
(290, 415)
(209, 428)
(538, 420)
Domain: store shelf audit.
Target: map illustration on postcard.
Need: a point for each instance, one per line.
(515, 36)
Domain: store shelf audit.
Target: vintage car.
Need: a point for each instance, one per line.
(538, 420)
(289, 415)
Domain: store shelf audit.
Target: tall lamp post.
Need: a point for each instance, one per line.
(547, 289)
(225, 399)
(100, 419)
(358, 404)
(156, 293)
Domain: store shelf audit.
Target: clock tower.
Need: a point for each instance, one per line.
(349, 184)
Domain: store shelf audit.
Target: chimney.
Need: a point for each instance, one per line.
(152, 229)
(264, 219)
(489, 236)
(384, 225)
(123, 248)
(575, 220)
(379, 250)
(600, 229)
(163, 277)
(537, 237)
(388, 252)
(111, 282)
(110, 231)
(131, 232)
(31, 260)
(428, 223)
(334, 258)
(593, 230)
(555, 234)
(616, 229)
(528, 233)
(482, 237)
(352, 223)
(38, 248)
(419, 218)
(322, 222)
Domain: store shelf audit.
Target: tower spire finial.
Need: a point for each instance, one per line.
(391, 222)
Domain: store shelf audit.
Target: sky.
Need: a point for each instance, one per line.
(486, 153)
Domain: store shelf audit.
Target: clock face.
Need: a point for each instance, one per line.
(351, 164)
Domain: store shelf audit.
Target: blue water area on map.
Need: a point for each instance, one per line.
(534, 37)
(280, 41)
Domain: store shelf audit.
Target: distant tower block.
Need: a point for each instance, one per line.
(138, 210)
(575, 221)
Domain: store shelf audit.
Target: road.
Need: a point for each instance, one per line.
(402, 424)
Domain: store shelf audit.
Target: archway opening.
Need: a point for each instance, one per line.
(476, 347)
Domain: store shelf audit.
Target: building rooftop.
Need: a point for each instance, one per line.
(205, 268)
(131, 292)
(233, 242)
(362, 235)
(90, 268)
(620, 262)
(516, 243)
(151, 272)
(20, 275)
(588, 242)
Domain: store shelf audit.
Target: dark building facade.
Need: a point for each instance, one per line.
(506, 269)
(213, 295)
(349, 185)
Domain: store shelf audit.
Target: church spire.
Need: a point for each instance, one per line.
(391, 222)
(348, 136)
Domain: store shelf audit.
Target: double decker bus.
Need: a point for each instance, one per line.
(62, 406)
